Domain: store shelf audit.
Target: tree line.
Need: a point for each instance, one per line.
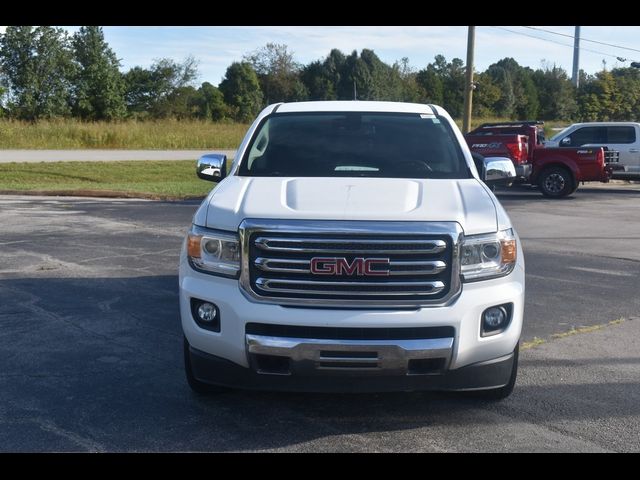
(47, 73)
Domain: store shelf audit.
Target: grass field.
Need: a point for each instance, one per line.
(150, 179)
(160, 135)
(147, 179)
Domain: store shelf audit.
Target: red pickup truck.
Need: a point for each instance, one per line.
(557, 171)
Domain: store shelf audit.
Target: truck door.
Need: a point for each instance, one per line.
(624, 139)
(589, 136)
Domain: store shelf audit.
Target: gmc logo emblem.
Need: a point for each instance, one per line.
(341, 266)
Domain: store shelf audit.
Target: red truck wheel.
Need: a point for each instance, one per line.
(556, 182)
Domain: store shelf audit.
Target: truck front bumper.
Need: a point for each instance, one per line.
(269, 346)
(523, 171)
(211, 369)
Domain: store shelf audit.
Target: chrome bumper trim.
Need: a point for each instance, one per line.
(381, 357)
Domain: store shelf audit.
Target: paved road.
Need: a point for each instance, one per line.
(34, 156)
(90, 344)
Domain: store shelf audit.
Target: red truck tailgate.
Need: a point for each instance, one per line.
(514, 147)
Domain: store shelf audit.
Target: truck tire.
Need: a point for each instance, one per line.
(556, 182)
(196, 385)
(501, 393)
(575, 187)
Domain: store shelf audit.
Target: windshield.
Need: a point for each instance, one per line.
(354, 144)
(558, 135)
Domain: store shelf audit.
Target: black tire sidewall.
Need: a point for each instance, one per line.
(568, 182)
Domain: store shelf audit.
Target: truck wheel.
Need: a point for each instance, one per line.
(556, 182)
(502, 392)
(196, 385)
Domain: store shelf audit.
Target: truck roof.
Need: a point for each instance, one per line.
(511, 124)
(601, 124)
(357, 106)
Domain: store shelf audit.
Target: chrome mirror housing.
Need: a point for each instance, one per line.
(212, 167)
(498, 171)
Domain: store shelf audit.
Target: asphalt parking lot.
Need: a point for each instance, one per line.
(91, 346)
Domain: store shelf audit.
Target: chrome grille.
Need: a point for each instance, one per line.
(422, 261)
(348, 245)
(396, 267)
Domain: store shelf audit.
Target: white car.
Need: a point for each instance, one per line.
(352, 247)
(623, 137)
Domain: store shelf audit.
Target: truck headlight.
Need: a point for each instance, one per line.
(488, 256)
(214, 252)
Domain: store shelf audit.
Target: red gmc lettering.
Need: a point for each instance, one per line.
(341, 266)
(369, 262)
(323, 266)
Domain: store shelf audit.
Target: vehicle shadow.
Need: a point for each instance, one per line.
(610, 191)
(96, 364)
(527, 192)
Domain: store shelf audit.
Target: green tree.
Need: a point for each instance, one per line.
(519, 99)
(98, 90)
(596, 97)
(408, 81)
(318, 81)
(38, 66)
(527, 102)
(430, 85)
(443, 83)
(321, 78)
(180, 103)
(506, 103)
(210, 102)
(2, 94)
(140, 91)
(627, 94)
(334, 65)
(556, 93)
(485, 96)
(454, 87)
(159, 90)
(278, 73)
(355, 79)
(386, 82)
(241, 91)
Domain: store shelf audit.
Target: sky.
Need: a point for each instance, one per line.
(217, 47)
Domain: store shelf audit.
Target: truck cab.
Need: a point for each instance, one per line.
(352, 247)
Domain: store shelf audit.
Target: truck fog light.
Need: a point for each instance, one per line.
(495, 320)
(205, 314)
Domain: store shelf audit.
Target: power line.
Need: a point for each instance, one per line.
(583, 39)
(553, 41)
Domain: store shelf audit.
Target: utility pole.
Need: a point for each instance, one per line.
(468, 84)
(576, 58)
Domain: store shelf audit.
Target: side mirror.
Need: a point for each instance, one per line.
(212, 167)
(565, 142)
(498, 171)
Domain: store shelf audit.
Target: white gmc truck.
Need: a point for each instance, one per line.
(352, 247)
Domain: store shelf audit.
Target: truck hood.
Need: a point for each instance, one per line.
(465, 201)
